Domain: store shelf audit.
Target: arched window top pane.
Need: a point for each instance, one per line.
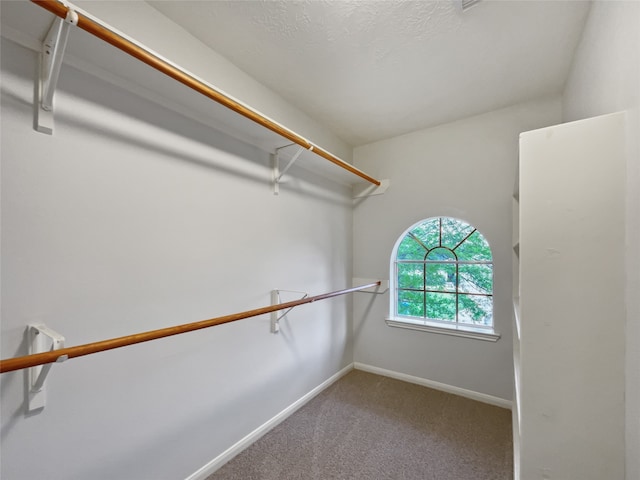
(428, 233)
(474, 249)
(441, 254)
(410, 249)
(454, 231)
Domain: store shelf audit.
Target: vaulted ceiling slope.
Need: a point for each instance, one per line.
(371, 70)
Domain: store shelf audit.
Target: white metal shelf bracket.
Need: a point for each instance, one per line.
(360, 191)
(275, 300)
(277, 173)
(51, 56)
(41, 339)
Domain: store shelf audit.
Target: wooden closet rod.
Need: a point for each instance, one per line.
(27, 361)
(136, 51)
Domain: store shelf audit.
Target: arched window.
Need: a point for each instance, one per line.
(442, 278)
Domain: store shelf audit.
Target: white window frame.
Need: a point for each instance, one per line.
(456, 328)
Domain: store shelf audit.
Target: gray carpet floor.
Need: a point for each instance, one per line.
(370, 427)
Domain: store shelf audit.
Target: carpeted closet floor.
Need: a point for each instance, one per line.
(370, 427)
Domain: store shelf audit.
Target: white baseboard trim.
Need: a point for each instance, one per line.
(481, 397)
(239, 446)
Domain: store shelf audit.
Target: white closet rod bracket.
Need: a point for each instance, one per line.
(378, 289)
(51, 55)
(275, 300)
(41, 339)
(277, 173)
(363, 191)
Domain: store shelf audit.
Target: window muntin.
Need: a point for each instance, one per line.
(443, 273)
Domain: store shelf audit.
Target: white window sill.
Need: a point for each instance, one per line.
(466, 331)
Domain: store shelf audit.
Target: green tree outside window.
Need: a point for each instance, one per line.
(444, 273)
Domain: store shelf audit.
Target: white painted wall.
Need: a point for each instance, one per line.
(466, 170)
(605, 78)
(130, 218)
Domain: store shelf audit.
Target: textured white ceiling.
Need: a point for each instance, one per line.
(375, 69)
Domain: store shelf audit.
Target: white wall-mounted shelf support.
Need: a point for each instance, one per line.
(277, 315)
(41, 339)
(277, 173)
(379, 289)
(366, 190)
(51, 56)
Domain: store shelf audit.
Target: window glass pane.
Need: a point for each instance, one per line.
(441, 254)
(410, 303)
(428, 233)
(441, 306)
(411, 275)
(454, 231)
(409, 249)
(475, 309)
(441, 276)
(475, 248)
(475, 278)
